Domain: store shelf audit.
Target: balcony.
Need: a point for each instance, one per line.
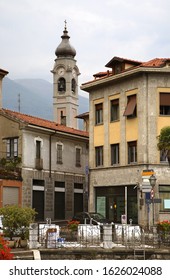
(39, 163)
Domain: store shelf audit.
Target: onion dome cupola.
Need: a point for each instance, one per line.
(65, 49)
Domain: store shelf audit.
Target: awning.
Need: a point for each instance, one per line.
(164, 98)
(130, 108)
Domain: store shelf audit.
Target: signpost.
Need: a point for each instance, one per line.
(154, 200)
(146, 187)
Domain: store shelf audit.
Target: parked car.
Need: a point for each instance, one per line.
(91, 218)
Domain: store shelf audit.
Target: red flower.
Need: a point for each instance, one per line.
(5, 251)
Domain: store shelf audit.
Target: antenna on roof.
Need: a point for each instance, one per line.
(19, 103)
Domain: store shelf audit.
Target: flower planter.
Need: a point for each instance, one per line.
(11, 243)
(23, 243)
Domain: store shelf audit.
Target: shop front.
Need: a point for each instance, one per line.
(117, 201)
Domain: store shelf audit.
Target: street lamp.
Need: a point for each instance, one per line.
(152, 181)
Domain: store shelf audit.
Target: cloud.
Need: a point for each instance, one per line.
(31, 30)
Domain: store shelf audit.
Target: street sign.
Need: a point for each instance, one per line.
(155, 200)
(146, 187)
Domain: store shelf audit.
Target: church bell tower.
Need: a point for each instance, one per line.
(65, 83)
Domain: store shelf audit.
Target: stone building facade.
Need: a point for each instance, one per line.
(53, 162)
(129, 104)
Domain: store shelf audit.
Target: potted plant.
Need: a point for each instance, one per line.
(72, 229)
(163, 228)
(16, 221)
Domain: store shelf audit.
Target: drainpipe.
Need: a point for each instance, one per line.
(50, 138)
(147, 121)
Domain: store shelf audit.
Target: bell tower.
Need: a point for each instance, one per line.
(65, 83)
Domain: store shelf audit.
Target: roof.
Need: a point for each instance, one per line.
(156, 62)
(117, 59)
(31, 120)
(135, 65)
(83, 116)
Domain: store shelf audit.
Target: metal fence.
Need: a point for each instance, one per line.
(106, 236)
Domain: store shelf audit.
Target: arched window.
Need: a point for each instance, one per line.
(61, 84)
(73, 85)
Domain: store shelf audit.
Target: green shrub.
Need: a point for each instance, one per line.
(16, 220)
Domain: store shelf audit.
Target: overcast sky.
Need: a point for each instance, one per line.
(30, 31)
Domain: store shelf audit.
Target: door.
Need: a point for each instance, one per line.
(38, 204)
(59, 206)
(78, 202)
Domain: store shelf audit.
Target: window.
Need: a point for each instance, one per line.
(99, 113)
(38, 149)
(114, 154)
(62, 119)
(118, 68)
(78, 186)
(163, 156)
(59, 184)
(12, 147)
(78, 157)
(165, 103)
(73, 85)
(164, 194)
(59, 153)
(130, 110)
(132, 152)
(99, 156)
(114, 110)
(61, 85)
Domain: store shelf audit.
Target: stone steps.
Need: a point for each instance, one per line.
(26, 255)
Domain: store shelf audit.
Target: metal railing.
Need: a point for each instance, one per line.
(126, 236)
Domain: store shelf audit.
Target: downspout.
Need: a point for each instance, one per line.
(50, 138)
(147, 123)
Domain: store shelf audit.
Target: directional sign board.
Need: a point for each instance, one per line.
(146, 174)
(155, 200)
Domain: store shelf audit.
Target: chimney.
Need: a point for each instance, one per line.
(3, 73)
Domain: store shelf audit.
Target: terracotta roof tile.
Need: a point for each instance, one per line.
(43, 123)
(156, 62)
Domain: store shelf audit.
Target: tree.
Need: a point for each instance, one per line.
(164, 142)
(16, 220)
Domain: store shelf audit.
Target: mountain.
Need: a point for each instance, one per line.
(33, 97)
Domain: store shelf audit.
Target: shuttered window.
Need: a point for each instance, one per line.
(114, 110)
(99, 113)
(59, 153)
(164, 103)
(12, 147)
(78, 157)
(114, 154)
(165, 98)
(10, 196)
(99, 156)
(38, 149)
(132, 152)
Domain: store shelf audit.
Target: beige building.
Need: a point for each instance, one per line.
(129, 104)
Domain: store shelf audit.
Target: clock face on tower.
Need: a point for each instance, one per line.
(61, 71)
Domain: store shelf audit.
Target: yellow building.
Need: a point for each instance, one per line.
(129, 104)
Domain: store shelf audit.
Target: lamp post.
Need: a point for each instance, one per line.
(152, 181)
